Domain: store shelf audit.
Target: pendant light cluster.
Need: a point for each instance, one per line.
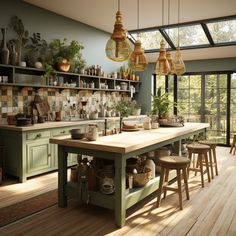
(164, 64)
(118, 47)
(138, 60)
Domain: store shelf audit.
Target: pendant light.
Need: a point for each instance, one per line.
(118, 47)
(162, 65)
(168, 54)
(138, 60)
(179, 67)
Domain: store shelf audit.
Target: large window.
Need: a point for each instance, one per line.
(205, 97)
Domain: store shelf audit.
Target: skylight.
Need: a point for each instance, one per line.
(198, 34)
(223, 31)
(191, 35)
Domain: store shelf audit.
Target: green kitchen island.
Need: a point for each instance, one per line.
(119, 148)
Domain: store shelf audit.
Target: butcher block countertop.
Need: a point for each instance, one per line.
(131, 141)
(59, 124)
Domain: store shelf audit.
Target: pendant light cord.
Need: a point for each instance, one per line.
(178, 20)
(138, 15)
(162, 12)
(118, 5)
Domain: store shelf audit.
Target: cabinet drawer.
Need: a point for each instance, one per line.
(37, 135)
(59, 132)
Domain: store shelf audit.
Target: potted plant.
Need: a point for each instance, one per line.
(161, 105)
(125, 109)
(37, 50)
(17, 25)
(62, 55)
(136, 108)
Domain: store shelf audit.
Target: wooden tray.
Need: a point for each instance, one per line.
(169, 124)
(135, 129)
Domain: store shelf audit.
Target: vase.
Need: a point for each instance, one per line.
(5, 50)
(13, 56)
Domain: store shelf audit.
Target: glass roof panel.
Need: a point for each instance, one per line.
(190, 35)
(150, 39)
(223, 31)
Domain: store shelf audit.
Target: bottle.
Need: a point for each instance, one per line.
(13, 56)
(151, 165)
(5, 50)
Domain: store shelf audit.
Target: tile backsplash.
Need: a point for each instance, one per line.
(15, 100)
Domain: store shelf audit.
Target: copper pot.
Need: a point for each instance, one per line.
(11, 120)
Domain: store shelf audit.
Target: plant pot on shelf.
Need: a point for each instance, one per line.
(64, 65)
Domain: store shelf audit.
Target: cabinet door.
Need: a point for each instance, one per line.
(38, 157)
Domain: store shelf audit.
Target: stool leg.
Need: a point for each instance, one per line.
(186, 182)
(160, 186)
(207, 167)
(190, 158)
(166, 182)
(233, 145)
(197, 165)
(201, 168)
(179, 188)
(215, 161)
(211, 163)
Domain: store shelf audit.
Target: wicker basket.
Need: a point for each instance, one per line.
(142, 177)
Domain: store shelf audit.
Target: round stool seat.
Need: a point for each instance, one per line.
(196, 147)
(173, 162)
(210, 143)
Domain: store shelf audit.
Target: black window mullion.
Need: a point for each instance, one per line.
(228, 109)
(208, 34)
(203, 97)
(167, 38)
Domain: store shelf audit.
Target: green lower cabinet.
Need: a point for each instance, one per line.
(71, 159)
(38, 157)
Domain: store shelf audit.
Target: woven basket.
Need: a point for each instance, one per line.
(141, 178)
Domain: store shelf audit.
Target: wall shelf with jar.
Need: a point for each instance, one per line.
(33, 77)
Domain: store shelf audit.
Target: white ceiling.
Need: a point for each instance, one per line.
(101, 14)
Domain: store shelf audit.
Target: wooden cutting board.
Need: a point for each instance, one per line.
(43, 108)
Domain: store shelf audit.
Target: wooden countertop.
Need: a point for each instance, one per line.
(131, 141)
(59, 124)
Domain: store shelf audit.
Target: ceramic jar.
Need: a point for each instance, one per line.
(147, 123)
(92, 133)
(152, 166)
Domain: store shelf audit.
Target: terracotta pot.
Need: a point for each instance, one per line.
(64, 65)
(11, 120)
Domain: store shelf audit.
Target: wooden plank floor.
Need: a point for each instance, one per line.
(210, 211)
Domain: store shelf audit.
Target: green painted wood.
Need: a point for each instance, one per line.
(38, 157)
(137, 194)
(62, 177)
(122, 200)
(120, 185)
(22, 149)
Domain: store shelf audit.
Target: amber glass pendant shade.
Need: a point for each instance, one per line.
(162, 65)
(118, 47)
(138, 60)
(179, 66)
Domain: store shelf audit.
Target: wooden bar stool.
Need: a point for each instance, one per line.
(202, 151)
(212, 156)
(179, 164)
(233, 145)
